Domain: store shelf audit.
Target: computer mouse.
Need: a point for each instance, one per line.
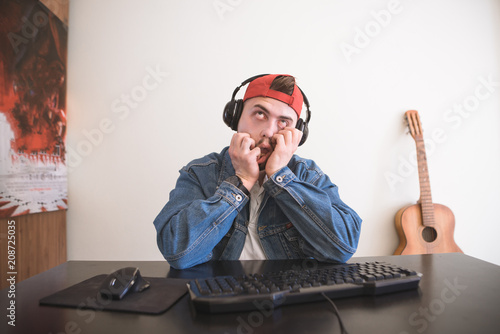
(122, 282)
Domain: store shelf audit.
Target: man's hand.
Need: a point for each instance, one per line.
(244, 155)
(286, 143)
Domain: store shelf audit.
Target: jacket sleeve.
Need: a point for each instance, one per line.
(192, 223)
(311, 201)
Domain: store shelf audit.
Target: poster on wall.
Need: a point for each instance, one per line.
(33, 53)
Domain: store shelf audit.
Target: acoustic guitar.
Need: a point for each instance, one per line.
(425, 227)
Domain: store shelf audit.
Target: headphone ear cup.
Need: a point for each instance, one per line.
(238, 109)
(232, 113)
(305, 134)
(302, 126)
(228, 114)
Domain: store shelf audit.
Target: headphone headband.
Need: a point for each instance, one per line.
(245, 82)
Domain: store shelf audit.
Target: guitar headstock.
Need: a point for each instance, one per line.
(414, 124)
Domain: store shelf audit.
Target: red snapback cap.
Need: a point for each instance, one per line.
(260, 87)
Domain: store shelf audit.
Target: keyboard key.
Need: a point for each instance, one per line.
(369, 278)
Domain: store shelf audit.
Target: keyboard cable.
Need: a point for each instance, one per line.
(342, 327)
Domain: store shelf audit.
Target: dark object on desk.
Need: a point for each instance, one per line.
(161, 295)
(271, 290)
(121, 282)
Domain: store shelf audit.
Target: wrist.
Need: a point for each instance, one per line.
(277, 172)
(270, 172)
(247, 184)
(236, 181)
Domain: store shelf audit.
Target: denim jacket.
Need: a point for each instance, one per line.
(301, 215)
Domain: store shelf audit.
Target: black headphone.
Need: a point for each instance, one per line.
(234, 108)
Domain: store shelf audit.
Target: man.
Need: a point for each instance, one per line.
(256, 199)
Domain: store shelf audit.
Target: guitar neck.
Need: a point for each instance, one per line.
(425, 184)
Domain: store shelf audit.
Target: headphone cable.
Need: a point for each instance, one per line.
(336, 311)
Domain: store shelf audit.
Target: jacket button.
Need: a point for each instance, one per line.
(238, 198)
(279, 179)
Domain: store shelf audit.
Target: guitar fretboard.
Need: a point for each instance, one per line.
(425, 184)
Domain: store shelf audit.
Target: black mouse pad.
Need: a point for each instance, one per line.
(159, 297)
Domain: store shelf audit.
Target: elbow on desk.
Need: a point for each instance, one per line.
(182, 259)
(176, 256)
(350, 241)
(338, 256)
(338, 250)
(169, 247)
(185, 263)
(175, 260)
(345, 256)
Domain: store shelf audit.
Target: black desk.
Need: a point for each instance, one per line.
(457, 294)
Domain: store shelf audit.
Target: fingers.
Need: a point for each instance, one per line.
(242, 142)
(286, 143)
(244, 147)
(289, 137)
(244, 153)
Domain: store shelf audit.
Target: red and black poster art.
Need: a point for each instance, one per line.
(33, 53)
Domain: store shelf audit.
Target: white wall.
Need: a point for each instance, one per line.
(432, 56)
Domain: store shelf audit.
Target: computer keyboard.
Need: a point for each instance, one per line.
(273, 289)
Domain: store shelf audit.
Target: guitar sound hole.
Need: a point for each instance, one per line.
(429, 234)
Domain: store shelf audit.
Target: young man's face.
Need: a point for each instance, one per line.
(262, 117)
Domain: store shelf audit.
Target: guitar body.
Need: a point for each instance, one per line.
(417, 238)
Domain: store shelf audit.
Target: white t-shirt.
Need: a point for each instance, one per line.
(252, 250)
